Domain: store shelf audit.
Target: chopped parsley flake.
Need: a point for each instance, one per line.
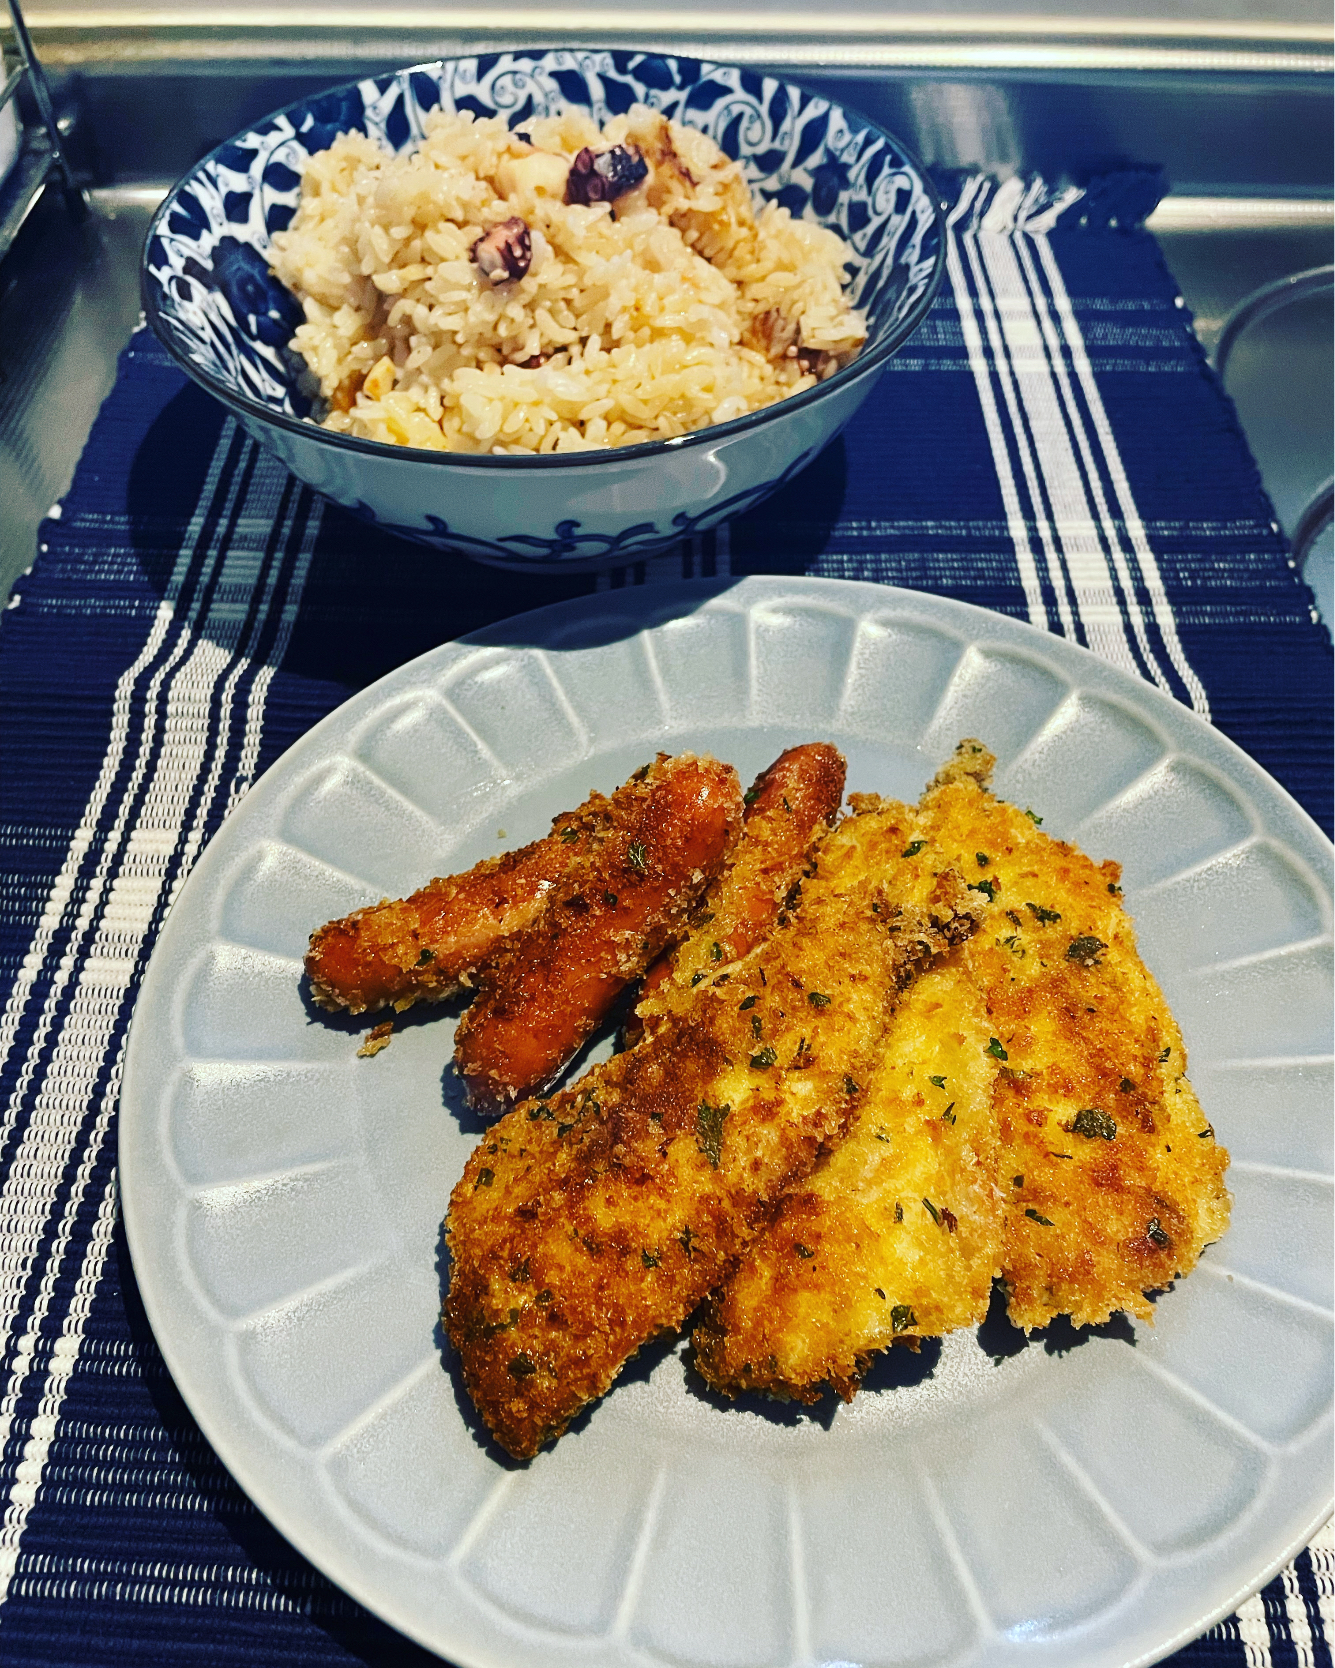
(913, 848)
(484, 1179)
(817, 999)
(1086, 950)
(522, 1366)
(931, 1210)
(755, 1026)
(1154, 1232)
(850, 1087)
(1127, 1086)
(1035, 1217)
(709, 1131)
(749, 1002)
(764, 1059)
(1033, 817)
(716, 951)
(1208, 1131)
(569, 834)
(425, 957)
(610, 899)
(987, 887)
(696, 978)
(1045, 917)
(995, 1049)
(803, 1250)
(899, 1211)
(648, 1259)
(636, 857)
(948, 1116)
(1164, 1055)
(939, 1081)
(1093, 1124)
(983, 859)
(902, 1317)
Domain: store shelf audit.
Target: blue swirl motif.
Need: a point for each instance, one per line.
(569, 544)
(800, 152)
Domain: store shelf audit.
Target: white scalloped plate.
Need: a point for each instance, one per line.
(283, 1198)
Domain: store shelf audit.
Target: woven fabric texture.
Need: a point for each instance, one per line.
(1051, 444)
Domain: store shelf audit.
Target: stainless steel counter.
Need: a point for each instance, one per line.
(1248, 151)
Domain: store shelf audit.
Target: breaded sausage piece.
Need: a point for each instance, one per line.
(587, 1224)
(427, 946)
(789, 807)
(552, 984)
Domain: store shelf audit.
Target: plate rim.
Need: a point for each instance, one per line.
(653, 605)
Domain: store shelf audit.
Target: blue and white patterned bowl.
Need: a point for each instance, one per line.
(226, 320)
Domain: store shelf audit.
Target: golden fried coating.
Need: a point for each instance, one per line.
(1032, 1089)
(427, 946)
(549, 986)
(1112, 1178)
(896, 1234)
(587, 1224)
(789, 807)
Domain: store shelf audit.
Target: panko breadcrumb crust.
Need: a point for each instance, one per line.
(1030, 1117)
(586, 1224)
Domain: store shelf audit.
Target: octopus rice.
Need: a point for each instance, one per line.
(554, 290)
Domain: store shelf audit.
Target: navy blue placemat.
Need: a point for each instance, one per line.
(1051, 444)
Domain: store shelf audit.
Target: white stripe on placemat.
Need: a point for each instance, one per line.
(1103, 534)
(1070, 536)
(1254, 1632)
(187, 735)
(1060, 438)
(1135, 527)
(81, 994)
(981, 367)
(1322, 1553)
(61, 896)
(1295, 1606)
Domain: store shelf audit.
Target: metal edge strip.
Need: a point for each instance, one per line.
(105, 51)
(394, 19)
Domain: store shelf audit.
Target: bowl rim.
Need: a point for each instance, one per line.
(249, 409)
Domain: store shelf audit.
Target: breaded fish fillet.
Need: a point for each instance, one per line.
(548, 987)
(586, 1224)
(1112, 1177)
(1067, 1089)
(896, 1235)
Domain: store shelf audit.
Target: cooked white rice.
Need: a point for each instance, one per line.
(675, 306)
